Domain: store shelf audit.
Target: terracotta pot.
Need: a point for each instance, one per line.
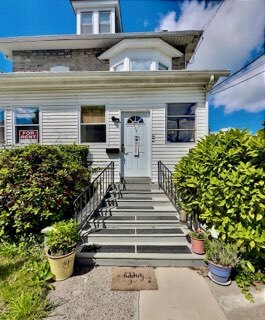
(62, 267)
(197, 245)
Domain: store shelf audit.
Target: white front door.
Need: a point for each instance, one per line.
(135, 135)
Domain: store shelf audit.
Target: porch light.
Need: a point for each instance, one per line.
(114, 119)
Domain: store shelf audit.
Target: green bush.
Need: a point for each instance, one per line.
(38, 185)
(223, 181)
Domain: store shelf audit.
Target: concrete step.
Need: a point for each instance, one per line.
(147, 254)
(138, 187)
(114, 211)
(133, 221)
(139, 234)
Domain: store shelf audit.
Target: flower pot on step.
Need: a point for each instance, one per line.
(197, 245)
(219, 273)
(62, 267)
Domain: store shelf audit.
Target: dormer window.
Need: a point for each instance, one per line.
(104, 22)
(97, 17)
(141, 55)
(140, 65)
(87, 22)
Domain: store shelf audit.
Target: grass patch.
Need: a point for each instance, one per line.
(24, 282)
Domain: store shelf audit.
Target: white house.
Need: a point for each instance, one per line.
(128, 96)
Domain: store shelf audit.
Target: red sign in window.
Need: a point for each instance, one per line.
(28, 136)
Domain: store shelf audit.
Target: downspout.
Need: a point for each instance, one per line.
(207, 93)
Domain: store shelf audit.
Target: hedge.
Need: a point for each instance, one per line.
(38, 185)
(222, 180)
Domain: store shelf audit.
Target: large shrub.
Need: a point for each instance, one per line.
(38, 185)
(223, 181)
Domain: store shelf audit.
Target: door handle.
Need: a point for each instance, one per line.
(122, 148)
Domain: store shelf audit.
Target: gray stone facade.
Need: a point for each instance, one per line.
(75, 59)
(178, 63)
(43, 60)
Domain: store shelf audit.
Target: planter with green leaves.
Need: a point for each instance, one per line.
(61, 243)
(198, 238)
(221, 258)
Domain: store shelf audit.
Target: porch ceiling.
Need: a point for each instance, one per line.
(105, 79)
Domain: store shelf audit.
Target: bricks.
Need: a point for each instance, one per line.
(178, 63)
(43, 60)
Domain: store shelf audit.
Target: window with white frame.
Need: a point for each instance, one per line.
(161, 66)
(104, 22)
(181, 122)
(27, 127)
(140, 65)
(93, 124)
(2, 126)
(87, 22)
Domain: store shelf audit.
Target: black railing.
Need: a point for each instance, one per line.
(166, 183)
(90, 199)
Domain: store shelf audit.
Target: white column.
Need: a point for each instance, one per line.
(126, 64)
(112, 21)
(78, 22)
(96, 22)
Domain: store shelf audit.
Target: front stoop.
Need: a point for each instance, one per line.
(139, 227)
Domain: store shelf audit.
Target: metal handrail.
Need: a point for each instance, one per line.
(166, 183)
(90, 199)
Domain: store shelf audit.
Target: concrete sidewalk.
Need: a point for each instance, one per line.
(183, 295)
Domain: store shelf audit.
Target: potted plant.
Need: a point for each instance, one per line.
(198, 238)
(221, 258)
(61, 242)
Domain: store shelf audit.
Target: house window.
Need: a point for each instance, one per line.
(161, 66)
(86, 23)
(119, 67)
(2, 126)
(27, 125)
(104, 22)
(181, 122)
(93, 125)
(140, 65)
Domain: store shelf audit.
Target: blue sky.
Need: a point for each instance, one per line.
(234, 37)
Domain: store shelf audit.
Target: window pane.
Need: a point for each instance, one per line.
(161, 66)
(2, 117)
(104, 17)
(86, 23)
(93, 114)
(27, 115)
(139, 65)
(104, 22)
(2, 135)
(86, 18)
(27, 134)
(180, 136)
(86, 29)
(104, 28)
(177, 109)
(181, 123)
(93, 133)
(118, 67)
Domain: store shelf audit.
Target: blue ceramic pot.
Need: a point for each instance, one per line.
(219, 273)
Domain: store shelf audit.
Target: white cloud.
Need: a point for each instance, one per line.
(226, 129)
(228, 42)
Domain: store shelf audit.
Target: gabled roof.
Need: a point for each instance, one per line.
(185, 41)
(156, 44)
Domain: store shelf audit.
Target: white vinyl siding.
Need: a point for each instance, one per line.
(60, 118)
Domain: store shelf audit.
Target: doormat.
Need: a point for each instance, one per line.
(133, 279)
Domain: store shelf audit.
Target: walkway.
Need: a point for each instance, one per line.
(183, 295)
